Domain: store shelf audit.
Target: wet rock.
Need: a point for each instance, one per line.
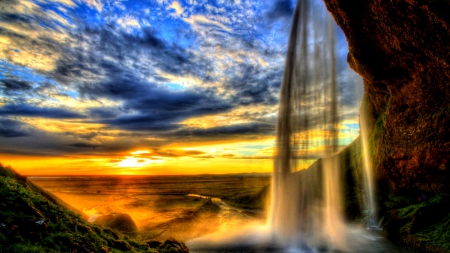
(87, 248)
(174, 246)
(75, 247)
(208, 208)
(164, 247)
(121, 222)
(173, 250)
(121, 245)
(154, 244)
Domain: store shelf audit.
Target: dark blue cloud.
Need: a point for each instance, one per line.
(228, 131)
(144, 122)
(145, 50)
(148, 39)
(256, 85)
(35, 111)
(85, 145)
(12, 128)
(103, 113)
(15, 18)
(148, 107)
(11, 85)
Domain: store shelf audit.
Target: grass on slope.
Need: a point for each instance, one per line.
(34, 222)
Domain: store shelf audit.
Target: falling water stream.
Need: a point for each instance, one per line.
(308, 127)
(372, 219)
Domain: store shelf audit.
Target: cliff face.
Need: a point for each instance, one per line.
(402, 51)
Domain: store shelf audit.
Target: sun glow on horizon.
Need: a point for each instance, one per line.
(140, 152)
(132, 162)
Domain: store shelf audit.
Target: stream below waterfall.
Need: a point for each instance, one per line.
(257, 240)
(239, 233)
(230, 217)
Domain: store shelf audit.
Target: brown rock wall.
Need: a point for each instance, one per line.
(402, 50)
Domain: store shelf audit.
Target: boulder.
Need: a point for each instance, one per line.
(120, 221)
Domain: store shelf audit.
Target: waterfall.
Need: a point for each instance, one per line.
(369, 187)
(306, 206)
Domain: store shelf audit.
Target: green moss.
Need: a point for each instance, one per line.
(442, 112)
(409, 210)
(420, 225)
(27, 248)
(438, 234)
(377, 149)
(377, 135)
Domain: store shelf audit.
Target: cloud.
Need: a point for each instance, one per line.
(169, 153)
(98, 68)
(65, 2)
(11, 85)
(30, 36)
(177, 7)
(25, 152)
(255, 85)
(128, 22)
(35, 111)
(152, 108)
(12, 129)
(97, 4)
(236, 130)
(203, 21)
(103, 113)
(143, 54)
(85, 145)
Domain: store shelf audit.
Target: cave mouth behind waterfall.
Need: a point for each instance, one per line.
(319, 93)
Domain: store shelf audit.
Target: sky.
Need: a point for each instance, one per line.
(143, 87)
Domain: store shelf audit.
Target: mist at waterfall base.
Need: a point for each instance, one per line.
(306, 213)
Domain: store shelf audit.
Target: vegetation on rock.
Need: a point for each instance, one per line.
(420, 224)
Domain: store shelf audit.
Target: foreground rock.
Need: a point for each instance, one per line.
(169, 245)
(191, 225)
(118, 221)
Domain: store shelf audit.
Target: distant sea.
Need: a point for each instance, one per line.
(210, 185)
